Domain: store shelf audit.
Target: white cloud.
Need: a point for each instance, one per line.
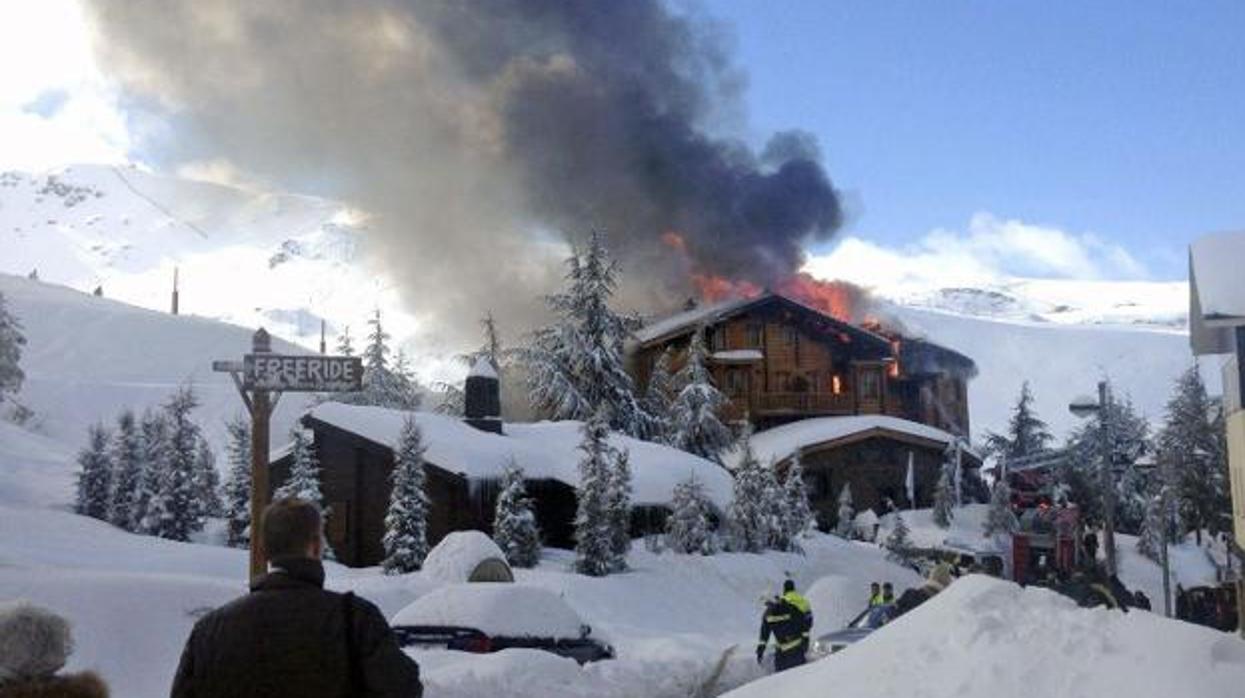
(990, 250)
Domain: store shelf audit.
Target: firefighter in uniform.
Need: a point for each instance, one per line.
(789, 618)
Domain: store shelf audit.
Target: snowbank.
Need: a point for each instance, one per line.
(780, 443)
(510, 610)
(543, 450)
(458, 554)
(983, 638)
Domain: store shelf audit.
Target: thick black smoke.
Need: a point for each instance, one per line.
(480, 132)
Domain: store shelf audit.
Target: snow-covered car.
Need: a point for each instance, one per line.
(858, 629)
(488, 617)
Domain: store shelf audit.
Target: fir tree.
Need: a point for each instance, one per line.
(575, 366)
(175, 510)
(95, 475)
(155, 445)
(127, 463)
(594, 542)
(514, 522)
(899, 542)
(207, 481)
(11, 343)
(688, 528)
(1000, 520)
(1151, 538)
(749, 513)
(345, 345)
(774, 507)
(406, 522)
(619, 509)
(659, 398)
(696, 412)
(1190, 451)
(1081, 473)
(237, 490)
(304, 479)
(1027, 435)
(385, 383)
(798, 516)
(944, 501)
(845, 526)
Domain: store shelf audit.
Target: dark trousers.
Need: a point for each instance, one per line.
(787, 660)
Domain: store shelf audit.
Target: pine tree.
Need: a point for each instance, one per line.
(95, 475)
(749, 514)
(899, 542)
(1081, 473)
(303, 481)
(619, 509)
(155, 449)
(594, 543)
(385, 383)
(345, 345)
(406, 522)
(944, 501)
(659, 398)
(514, 522)
(1000, 520)
(688, 528)
(575, 366)
(175, 510)
(798, 517)
(1150, 540)
(846, 524)
(1189, 449)
(11, 343)
(408, 394)
(207, 481)
(696, 411)
(127, 464)
(237, 490)
(1027, 435)
(774, 507)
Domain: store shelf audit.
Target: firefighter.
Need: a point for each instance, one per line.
(875, 595)
(789, 618)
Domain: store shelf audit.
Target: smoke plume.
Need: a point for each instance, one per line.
(481, 134)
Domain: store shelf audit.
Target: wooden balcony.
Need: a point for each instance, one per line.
(803, 403)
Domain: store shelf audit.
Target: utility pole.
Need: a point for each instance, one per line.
(175, 290)
(1167, 575)
(1108, 474)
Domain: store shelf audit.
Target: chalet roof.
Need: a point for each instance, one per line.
(545, 450)
(780, 443)
(687, 321)
(1216, 294)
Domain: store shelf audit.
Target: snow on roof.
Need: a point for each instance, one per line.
(738, 355)
(780, 443)
(1216, 292)
(701, 315)
(542, 449)
(458, 554)
(507, 610)
(483, 368)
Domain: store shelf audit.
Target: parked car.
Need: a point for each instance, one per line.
(858, 629)
(483, 617)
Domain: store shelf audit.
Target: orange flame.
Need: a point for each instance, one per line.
(836, 384)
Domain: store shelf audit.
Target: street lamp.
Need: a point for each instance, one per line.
(1083, 407)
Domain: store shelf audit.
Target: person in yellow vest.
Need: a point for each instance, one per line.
(875, 595)
(789, 618)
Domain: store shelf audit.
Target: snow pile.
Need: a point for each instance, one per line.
(543, 450)
(983, 638)
(506, 610)
(458, 554)
(34, 470)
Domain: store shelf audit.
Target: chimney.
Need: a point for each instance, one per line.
(174, 290)
(482, 397)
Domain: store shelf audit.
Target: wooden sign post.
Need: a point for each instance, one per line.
(261, 377)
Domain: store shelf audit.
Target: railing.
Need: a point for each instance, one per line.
(817, 403)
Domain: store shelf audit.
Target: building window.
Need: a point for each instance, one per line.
(870, 385)
(756, 336)
(737, 382)
(836, 384)
(717, 339)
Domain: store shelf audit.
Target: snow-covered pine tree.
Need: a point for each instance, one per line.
(345, 345)
(659, 397)
(899, 542)
(175, 509)
(11, 343)
(688, 528)
(1000, 520)
(237, 489)
(748, 514)
(1027, 435)
(846, 525)
(1150, 539)
(95, 475)
(619, 508)
(944, 500)
(594, 547)
(798, 517)
(514, 522)
(775, 509)
(155, 444)
(406, 521)
(1189, 450)
(207, 481)
(127, 471)
(698, 404)
(303, 481)
(575, 366)
(408, 393)
(1082, 473)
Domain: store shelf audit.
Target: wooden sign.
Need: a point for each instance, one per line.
(304, 373)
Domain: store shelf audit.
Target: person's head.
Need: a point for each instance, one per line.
(788, 585)
(34, 642)
(291, 528)
(888, 591)
(875, 588)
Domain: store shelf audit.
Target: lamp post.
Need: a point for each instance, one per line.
(1085, 407)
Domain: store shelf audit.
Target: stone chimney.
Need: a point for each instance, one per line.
(482, 397)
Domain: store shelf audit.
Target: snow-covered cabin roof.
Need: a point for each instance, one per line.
(483, 368)
(1216, 292)
(545, 450)
(780, 443)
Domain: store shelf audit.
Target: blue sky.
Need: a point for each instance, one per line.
(1124, 120)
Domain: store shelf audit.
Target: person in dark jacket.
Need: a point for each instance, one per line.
(291, 637)
(789, 618)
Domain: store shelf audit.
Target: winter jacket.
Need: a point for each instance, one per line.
(289, 637)
(789, 618)
(83, 685)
